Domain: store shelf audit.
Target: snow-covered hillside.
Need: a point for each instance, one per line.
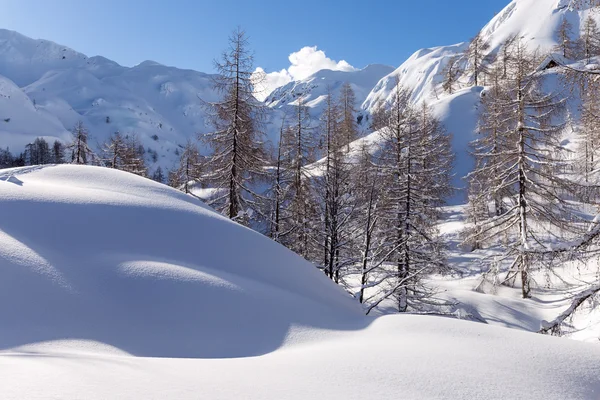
(314, 88)
(421, 73)
(53, 87)
(113, 286)
(21, 122)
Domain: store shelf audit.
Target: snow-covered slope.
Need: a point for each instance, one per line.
(98, 255)
(314, 88)
(114, 286)
(59, 86)
(420, 74)
(164, 105)
(25, 60)
(536, 22)
(21, 122)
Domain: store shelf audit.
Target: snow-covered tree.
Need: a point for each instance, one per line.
(114, 150)
(519, 148)
(589, 40)
(133, 156)
(504, 56)
(370, 244)
(348, 124)
(281, 178)
(416, 163)
(335, 205)
(296, 151)
(589, 127)
(238, 153)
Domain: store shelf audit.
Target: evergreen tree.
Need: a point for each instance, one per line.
(158, 175)
(58, 152)
(6, 159)
(80, 151)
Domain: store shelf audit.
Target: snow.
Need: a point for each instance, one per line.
(164, 105)
(314, 88)
(124, 261)
(420, 74)
(21, 122)
(463, 361)
(114, 286)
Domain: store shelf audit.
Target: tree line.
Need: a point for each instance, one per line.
(122, 152)
(356, 213)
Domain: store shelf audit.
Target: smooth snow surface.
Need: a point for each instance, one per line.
(113, 286)
(96, 254)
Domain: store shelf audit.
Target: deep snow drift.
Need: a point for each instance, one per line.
(101, 272)
(101, 255)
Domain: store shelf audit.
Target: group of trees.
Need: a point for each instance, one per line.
(121, 152)
(520, 190)
(527, 192)
(37, 153)
(125, 153)
(367, 215)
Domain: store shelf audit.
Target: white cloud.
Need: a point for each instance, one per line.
(303, 64)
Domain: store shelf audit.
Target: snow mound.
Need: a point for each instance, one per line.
(103, 256)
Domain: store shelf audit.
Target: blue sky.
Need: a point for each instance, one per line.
(191, 33)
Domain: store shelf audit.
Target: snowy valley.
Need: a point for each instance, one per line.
(423, 232)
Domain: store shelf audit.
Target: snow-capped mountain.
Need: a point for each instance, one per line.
(422, 73)
(314, 88)
(45, 88)
(536, 22)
